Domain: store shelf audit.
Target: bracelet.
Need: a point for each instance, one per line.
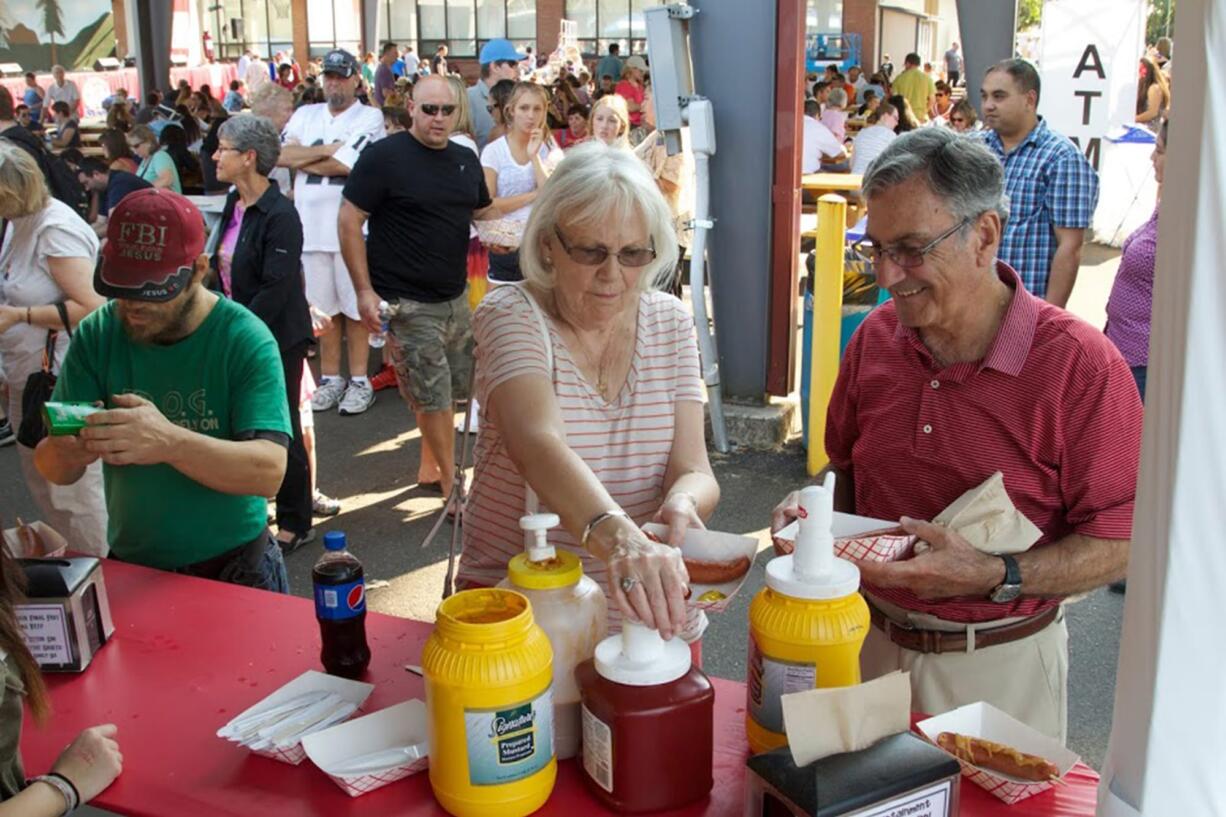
(596, 520)
(64, 786)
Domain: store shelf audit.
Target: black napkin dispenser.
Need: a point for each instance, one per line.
(898, 776)
(66, 617)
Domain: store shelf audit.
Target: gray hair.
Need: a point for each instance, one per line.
(958, 169)
(256, 133)
(837, 98)
(597, 184)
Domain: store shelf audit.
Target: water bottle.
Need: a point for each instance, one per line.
(340, 608)
(377, 340)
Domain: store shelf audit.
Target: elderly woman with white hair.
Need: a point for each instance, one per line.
(258, 263)
(47, 253)
(590, 392)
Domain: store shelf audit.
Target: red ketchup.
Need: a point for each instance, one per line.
(647, 723)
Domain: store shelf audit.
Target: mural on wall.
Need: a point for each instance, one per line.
(37, 34)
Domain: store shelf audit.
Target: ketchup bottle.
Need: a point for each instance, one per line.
(647, 722)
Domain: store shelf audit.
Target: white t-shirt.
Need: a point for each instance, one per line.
(513, 178)
(25, 276)
(819, 141)
(869, 143)
(318, 198)
(411, 61)
(68, 94)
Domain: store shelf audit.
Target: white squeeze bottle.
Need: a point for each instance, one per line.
(570, 608)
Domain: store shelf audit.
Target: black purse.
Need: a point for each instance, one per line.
(39, 387)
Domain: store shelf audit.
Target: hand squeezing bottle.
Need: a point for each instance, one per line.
(806, 627)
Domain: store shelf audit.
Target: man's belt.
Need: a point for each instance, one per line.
(937, 641)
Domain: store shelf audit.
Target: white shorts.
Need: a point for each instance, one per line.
(328, 285)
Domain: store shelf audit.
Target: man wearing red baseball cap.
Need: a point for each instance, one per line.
(194, 427)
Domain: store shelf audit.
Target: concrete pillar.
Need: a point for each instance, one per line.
(987, 28)
(549, 14)
(153, 23)
(860, 17)
(119, 19)
(302, 39)
(370, 27)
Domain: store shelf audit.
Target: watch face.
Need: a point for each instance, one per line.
(1006, 592)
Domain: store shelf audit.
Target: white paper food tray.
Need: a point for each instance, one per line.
(862, 537)
(982, 720)
(401, 725)
(309, 681)
(711, 545)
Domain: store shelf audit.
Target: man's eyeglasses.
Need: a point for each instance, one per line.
(433, 110)
(905, 257)
(595, 256)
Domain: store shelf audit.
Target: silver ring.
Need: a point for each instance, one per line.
(628, 584)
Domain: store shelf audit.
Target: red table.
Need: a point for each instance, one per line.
(189, 654)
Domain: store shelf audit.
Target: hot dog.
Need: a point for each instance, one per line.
(997, 757)
(717, 572)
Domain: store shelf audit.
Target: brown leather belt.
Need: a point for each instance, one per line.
(937, 641)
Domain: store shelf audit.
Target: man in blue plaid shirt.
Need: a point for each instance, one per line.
(1052, 189)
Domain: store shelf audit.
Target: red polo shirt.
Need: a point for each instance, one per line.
(1052, 405)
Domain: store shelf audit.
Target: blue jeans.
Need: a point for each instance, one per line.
(258, 564)
(1138, 374)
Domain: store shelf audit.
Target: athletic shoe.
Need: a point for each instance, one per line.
(385, 379)
(328, 394)
(358, 397)
(324, 505)
(7, 437)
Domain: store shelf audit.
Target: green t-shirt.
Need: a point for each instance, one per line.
(918, 88)
(152, 167)
(223, 379)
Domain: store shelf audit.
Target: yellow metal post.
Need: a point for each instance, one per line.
(827, 320)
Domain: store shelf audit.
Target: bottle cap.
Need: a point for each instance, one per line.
(334, 540)
(536, 528)
(639, 657)
(812, 571)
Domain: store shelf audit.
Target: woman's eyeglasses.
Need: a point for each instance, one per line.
(595, 256)
(433, 110)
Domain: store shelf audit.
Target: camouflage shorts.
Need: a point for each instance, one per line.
(431, 348)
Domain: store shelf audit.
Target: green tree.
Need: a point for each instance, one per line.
(1029, 13)
(53, 22)
(1161, 20)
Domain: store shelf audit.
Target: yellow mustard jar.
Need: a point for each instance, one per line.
(806, 627)
(488, 670)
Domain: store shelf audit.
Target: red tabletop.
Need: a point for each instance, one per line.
(189, 654)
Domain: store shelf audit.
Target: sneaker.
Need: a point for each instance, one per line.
(324, 505)
(328, 394)
(358, 397)
(7, 437)
(385, 379)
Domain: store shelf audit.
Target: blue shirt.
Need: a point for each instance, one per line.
(1050, 184)
(398, 67)
(233, 101)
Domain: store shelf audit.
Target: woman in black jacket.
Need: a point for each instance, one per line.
(258, 263)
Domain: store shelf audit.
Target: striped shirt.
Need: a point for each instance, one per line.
(626, 443)
(1050, 184)
(1052, 405)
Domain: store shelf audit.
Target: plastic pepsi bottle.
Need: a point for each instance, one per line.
(340, 607)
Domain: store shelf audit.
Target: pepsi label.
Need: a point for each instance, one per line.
(337, 602)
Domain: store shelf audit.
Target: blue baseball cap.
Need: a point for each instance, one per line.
(500, 49)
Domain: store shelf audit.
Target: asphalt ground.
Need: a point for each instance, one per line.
(369, 462)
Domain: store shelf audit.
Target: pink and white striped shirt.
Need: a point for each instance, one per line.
(626, 442)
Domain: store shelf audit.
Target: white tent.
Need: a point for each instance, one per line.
(1167, 754)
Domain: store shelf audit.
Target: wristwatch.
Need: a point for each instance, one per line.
(1011, 587)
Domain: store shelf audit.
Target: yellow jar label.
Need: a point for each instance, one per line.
(511, 742)
(769, 680)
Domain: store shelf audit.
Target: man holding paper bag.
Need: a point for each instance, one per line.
(961, 375)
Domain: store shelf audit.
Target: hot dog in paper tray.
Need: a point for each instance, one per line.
(717, 563)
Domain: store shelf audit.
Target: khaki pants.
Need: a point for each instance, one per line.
(1027, 678)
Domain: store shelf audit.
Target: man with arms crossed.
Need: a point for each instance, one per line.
(419, 192)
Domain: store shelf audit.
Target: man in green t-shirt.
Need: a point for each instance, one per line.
(195, 428)
(918, 88)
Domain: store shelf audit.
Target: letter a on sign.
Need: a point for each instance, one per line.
(1090, 61)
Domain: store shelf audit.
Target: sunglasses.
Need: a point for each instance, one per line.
(433, 110)
(595, 256)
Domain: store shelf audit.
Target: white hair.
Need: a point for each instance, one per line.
(597, 184)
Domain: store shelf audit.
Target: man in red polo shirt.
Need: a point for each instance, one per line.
(964, 373)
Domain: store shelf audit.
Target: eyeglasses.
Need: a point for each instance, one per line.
(595, 256)
(433, 110)
(905, 257)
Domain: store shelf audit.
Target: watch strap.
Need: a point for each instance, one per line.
(1013, 573)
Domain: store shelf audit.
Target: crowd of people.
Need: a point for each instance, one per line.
(376, 202)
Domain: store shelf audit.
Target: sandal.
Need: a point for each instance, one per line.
(298, 540)
(324, 505)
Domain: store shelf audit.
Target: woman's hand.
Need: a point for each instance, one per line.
(781, 517)
(535, 141)
(92, 761)
(680, 513)
(10, 316)
(655, 575)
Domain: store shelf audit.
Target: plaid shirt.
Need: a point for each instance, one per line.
(1050, 184)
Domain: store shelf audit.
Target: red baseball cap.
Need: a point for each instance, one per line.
(153, 238)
